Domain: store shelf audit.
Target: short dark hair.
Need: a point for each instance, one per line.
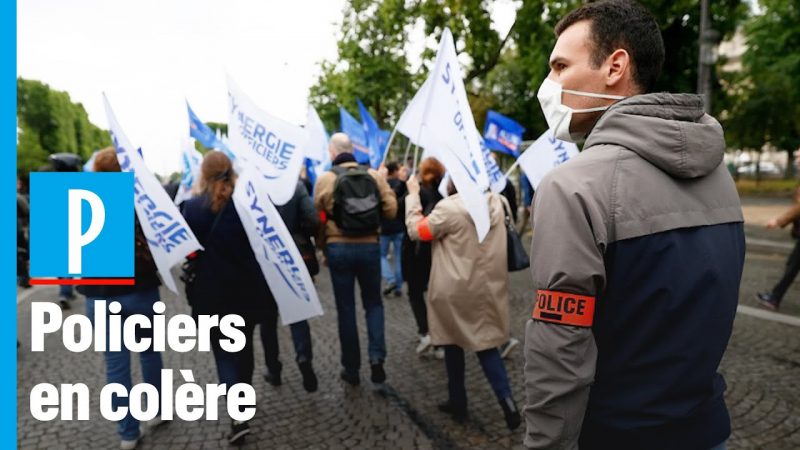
(392, 167)
(624, 24)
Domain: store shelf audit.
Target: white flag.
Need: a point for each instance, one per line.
(169, 237)
(191, 159)
(544, 154)
(275, 250)
(439, 119)
(272, 145)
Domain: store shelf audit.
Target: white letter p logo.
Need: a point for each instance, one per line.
(75, 239)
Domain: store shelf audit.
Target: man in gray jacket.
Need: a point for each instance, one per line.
(637, 250)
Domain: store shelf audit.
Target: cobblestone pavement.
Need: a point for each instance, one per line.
(762, 367)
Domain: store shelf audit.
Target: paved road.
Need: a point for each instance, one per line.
(762, 367)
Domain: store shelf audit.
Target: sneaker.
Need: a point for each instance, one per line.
(438, 353)
(378, 374)
(766, 300)
(239, 430)
(457, 412)
(309, 377)
(352, 380)
(506, 348)
(391, 287)
(511, 413)
(154, 423)
(128, 445)
(424, 344)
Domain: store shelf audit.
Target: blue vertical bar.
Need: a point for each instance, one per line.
(8, 228)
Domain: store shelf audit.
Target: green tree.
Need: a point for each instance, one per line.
(501, 72)
(52, 123)
(765, 105)
(371, 65)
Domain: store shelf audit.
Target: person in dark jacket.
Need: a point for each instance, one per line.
(302, 221)
(392, 232)
(64, 162)
(417, 254)
(228, 279)
(136, 299)
(637, 252)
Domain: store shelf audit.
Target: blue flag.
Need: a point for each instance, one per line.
(205, 135)
(200, 131)
(355, 130)
(502, 133)
(376, 138)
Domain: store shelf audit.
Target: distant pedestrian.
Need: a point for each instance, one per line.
(135, 300)
(392, 233)
(772, 299)
(302, 221)
(468, 293)
(353, 199)
(227, 277)
(417, 254)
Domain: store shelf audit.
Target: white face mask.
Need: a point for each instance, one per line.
(558, 115)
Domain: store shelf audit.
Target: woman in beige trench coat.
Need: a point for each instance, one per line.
(467, 294)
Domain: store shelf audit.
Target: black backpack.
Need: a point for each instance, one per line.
(356, 201)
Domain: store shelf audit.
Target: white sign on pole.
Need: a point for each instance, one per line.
(543, 155)
(169, 237)
(275, 147)
(440, 120)
(275, 250)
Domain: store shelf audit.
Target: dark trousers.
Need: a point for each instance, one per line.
(234, 367)
(416, 297)
(792, 268)
(301, 338)
(348, 263)
(416, 271)
(493, 368)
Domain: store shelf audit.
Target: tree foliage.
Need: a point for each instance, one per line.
(501, 72)
(51, 123)
(765, 107)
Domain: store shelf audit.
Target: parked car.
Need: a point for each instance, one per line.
(768, 168)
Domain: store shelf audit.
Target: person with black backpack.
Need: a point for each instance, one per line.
(351, 200)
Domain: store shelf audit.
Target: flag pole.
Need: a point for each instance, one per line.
(388, 145)
(405, 155)
(414, 166)
(513, 166)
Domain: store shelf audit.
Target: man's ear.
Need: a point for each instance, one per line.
(618, 71)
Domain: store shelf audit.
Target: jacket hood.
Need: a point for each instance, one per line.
(670, 131)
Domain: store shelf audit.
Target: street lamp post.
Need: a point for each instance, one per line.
(707, 55)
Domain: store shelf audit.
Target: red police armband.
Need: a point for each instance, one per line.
(564, 308)
(323, 217)
(424, 230)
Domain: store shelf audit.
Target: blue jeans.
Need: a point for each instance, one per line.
(348, 263)
(493, 368)
(118, 363)
(392, 276)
